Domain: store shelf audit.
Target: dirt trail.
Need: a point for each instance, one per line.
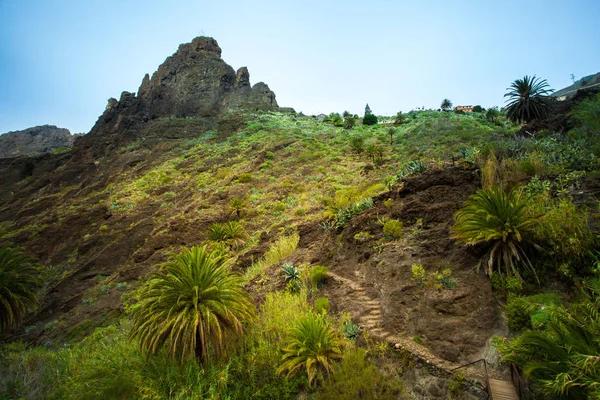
(369, 318)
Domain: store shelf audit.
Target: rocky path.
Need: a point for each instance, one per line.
(369, 318)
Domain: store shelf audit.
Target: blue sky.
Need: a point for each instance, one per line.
(61, 60)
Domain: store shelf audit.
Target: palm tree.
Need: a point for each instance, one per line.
(528, 99)
(563, 359)
(502, 222)
(19, 282)
(194, 306)
(446, 104)
(312, 345)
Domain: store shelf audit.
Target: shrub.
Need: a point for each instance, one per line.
(561, 360)
(312, 346)
(356, 377)
(369, 119)
(237, 205)
(392, 229)
(363, 236)
(413, 167)
(231, 233)
(357, 144)
(194, 306)
(503, 223)
(244, 178)
(517, 312)
(318, 275)
(19, 282)
(282, 248)
(322, 305)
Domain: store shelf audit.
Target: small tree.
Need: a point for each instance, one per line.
(392, 132)
(446, 105)
(194, 306)
(369, 119)
(367, 110)
(399, 118)
(478, 109)
(528, 99)
(349, 122)
(492, 114)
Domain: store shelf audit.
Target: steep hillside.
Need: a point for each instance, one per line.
(33, 141)
(198, 150)
(583, 83)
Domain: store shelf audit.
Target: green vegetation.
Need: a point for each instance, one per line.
(19, 282)
(561, 357)
(358, 377)
(284, 174)
(318, 275)
(194, 307)
(312, 347)
(503, 223)
(392, 229)
(446, 105)
(528, 99)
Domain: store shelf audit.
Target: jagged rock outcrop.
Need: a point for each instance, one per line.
(34, 141)
(193, 82)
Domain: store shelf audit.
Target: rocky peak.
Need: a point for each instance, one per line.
(34, 141)
(193, 82)
(242, 78)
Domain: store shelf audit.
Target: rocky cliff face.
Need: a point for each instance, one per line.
(34, 141)
(193, 82)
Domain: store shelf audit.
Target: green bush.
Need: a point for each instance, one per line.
(369, 119)
(357, 377)
(322, 305)
(244, 178)
(357, 144)
(392, 229)
(517, 311)
(318, 275)
(561, 359)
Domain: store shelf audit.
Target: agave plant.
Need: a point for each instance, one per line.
(290, 273)
(528, 99)
(563, 359)
(194, 306)
(351, 330)
(502, 222)
(313, 345)
(19, 282)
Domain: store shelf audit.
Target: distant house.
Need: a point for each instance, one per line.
(464, 108)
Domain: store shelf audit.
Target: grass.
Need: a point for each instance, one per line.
(282, 248)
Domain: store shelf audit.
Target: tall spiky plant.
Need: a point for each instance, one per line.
(528, 99)
(563, 359)
(194, 306)
(313, 345)
(501, 221)
(19, 283)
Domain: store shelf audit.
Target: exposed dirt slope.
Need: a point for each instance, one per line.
(454, 324)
